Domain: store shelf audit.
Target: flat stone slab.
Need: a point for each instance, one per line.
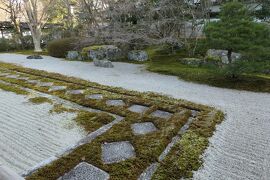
(45, 84)
(117, 151)
(12, 76)
(94, 96)
(115, 103)
(161, 114)
(4, 74)
(85, 171)
(138, 108)
(194, 113)
(33, 81)
(23, 78)
(57, 88)
(75, 92)
(143, 128)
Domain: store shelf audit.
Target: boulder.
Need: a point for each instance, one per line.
(103, 63)
(138, 56)
(108, 52)
(34, 57)
(73, 55)
(222, 56)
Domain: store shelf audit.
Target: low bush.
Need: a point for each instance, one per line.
(8, 45)
(59, 48)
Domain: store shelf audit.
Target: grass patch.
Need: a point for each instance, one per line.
(185, 156)
(40, 100)
(59, 108)
(210, 75)
(91, 121)
(12, 88)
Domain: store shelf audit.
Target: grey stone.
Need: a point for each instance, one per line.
(85, 171)
(4, 74)
(23, 78)
(34, 57)
(33, 81)
(222, 56)
(138, 108)
(138, 55)
(115, 103)
(94, 96)
(57, 88)
(45, 84)
(75, 92)
(162, 114)
(149, 172)
(103, 63)
(109, 52)
(73, 55)
(117, 151)
(13, 76)
(143, 128)
(194, 113)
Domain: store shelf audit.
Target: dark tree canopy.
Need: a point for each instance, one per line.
(236, 30)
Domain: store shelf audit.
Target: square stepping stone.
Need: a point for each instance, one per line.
(117, 151)
(138, 109)
(4, 74)
(94, 96)
(115, 103)
(23, 78)
(57, 88)
(12, 76)
(161, 114)
(85, 171)
(143, 128)
(33, 81)
(75, 92)
(45, 84)
(194, 113)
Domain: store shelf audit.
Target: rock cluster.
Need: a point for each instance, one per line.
(222, 55)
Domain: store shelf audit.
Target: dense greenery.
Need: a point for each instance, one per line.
(236, 31)
(252, 80)
(59, 48)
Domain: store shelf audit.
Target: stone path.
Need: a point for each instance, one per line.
(240, 148)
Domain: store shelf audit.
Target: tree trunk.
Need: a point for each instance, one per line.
(230, 55)
(36, 35)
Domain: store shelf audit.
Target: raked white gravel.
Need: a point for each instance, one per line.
(239, 149)
(30, 134)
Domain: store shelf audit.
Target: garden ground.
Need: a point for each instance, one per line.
(240, 146)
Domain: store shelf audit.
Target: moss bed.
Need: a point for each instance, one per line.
(184, 157)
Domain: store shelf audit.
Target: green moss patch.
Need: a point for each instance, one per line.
(40, 100)
(12, 88)
(91, 121)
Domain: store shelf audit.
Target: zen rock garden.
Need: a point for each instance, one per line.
(136, 125)
(134, 90)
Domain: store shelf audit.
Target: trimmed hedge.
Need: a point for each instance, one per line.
(59, 48)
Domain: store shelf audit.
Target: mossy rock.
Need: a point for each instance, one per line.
(101, 52)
